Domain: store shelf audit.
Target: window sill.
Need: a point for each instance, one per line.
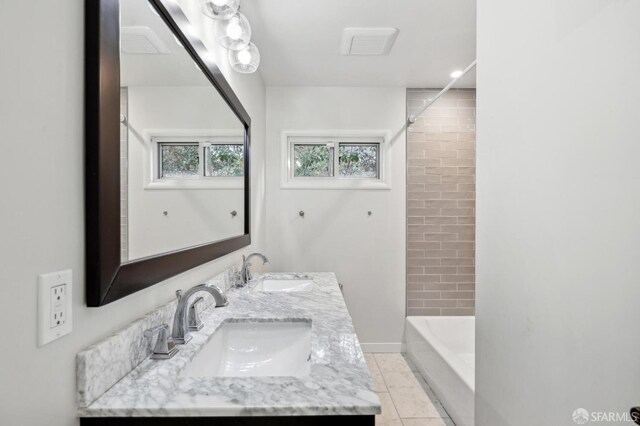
(342, 184)
(219, 183)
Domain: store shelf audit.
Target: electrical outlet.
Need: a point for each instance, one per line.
(54, 306)
(58, 300)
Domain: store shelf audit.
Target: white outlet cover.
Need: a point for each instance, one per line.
(48, 329)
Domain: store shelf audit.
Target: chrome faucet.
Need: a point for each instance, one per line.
(180, 331)
(165, 347)
(245, 272)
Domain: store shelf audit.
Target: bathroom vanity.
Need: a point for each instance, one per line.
(162, 199)
(276, 354)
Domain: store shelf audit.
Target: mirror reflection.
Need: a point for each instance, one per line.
(182, 147)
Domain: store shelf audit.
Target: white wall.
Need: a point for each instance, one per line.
(366, 253)
(558, 210)
(42, 206)
(194, 216)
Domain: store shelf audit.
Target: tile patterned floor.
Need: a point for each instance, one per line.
(406, 398)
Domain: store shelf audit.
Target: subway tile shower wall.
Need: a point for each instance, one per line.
(441, 198)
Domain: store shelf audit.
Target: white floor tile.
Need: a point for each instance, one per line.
(414, 402)
(388, 408)
(427, 422)
(378, 381)
(392, 362)
(401, 379)
(405, 396)
(386, 422)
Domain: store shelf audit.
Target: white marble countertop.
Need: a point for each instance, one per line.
(339, 382)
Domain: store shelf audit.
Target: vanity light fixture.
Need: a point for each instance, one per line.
(234, 33)
(220, 9)
(246, 60)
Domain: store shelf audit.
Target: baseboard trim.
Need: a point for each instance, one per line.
(382, 347)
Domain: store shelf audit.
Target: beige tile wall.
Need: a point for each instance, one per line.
(441, 195)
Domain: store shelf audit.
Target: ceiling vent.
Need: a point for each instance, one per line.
(141, 41)
(368, 41)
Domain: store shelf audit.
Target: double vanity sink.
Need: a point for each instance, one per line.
(250, 348)
(253, 348)
(284, 347)
(285, 285)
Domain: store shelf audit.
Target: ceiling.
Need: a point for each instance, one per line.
(299, 41)
(173, 68)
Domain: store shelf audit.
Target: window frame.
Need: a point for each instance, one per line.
(332, 156)
(151, 167)
(290, 138)
(211, 142)
(377, 145)
(173, 142)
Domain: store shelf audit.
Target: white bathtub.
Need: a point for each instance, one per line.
(443, 349)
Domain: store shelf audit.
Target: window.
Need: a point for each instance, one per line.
(224, 160)
(196, 161)
(344, 161)
(313, 160)
(182, 160)
(359, 160)
(178, 159)
(355, 160)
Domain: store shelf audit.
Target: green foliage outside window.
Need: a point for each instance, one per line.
(224, 160)
(179, 160)
(313, 160)
(358, 160)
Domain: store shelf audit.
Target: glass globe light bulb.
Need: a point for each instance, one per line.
(234, 33)
(245, 60)
(220, 10)
(244, 57)
(233, 29)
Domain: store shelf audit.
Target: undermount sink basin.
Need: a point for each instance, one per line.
(284, 285)
(255, 348)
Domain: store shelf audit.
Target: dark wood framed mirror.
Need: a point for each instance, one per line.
(111, 271)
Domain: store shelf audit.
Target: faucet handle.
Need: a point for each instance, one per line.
(236, 279)
(195, 324)
(165, 346)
